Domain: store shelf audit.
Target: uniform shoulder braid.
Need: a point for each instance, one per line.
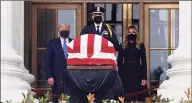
(109, 28)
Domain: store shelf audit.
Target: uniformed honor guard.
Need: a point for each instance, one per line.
(100, 28)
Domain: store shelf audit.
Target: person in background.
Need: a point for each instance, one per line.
(56, 59)
(132, 64)
(101, 28)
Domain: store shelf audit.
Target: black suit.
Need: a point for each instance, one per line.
(55, 63)
(91, 29)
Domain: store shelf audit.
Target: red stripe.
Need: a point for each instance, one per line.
(70, 50)
(106, 48)
(76, 46)
(90, 45)
(89, 61)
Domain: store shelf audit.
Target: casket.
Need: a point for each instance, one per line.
(91, 69)
(91, 51)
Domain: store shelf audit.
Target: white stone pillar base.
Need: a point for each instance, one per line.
(12, 84)
(179, 79)
(174, 88)
(172, 94)
(14, 95)
(29, 78)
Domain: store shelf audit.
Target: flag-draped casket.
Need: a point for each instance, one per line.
(91, 49)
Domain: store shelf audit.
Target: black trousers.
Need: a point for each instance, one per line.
(56, 91)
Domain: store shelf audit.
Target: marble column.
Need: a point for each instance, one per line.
(12, 84)
(18, 38)
(180, 73)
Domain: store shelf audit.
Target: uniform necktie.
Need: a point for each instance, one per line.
(65, 49)
(97, 29)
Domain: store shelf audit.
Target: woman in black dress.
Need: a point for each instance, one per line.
(132, 64)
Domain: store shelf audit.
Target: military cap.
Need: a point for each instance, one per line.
(97, 10)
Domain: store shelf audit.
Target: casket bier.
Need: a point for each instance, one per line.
(90, 67)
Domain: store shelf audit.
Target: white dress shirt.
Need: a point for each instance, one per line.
(62, 40)
(100, 25)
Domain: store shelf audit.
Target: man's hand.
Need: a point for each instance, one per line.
(51, 81)
(143, 82)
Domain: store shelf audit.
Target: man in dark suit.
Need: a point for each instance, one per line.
(101, 28)
(56, 59)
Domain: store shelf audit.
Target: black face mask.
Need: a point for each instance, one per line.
(131, 37)
(64, 33)
(98, 19)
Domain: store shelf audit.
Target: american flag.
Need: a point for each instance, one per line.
(91, 49)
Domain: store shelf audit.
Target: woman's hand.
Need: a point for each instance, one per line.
(143, 82)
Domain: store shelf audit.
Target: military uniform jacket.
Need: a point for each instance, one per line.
(90, 29)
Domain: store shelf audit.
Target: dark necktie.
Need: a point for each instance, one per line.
(65, 49)
(97, 29)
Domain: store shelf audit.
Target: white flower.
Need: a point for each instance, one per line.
(36, 101)
(62, 102)
(111, 100)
